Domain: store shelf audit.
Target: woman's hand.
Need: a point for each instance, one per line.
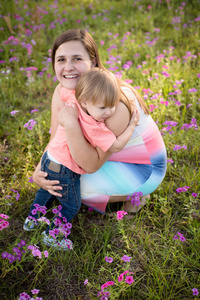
(68, 115)
(52, 186)
(134, 121)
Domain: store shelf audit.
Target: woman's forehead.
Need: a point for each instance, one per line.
(71, 48)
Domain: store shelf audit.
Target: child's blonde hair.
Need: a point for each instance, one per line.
(98, 85)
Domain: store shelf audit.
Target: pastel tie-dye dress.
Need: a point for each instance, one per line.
(139, 167)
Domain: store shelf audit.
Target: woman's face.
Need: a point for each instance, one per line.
(71, 61)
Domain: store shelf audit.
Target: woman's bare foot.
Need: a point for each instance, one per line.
(129, 207)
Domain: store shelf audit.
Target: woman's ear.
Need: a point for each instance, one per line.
(94, 62)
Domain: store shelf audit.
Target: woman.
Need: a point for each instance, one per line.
(139, 167)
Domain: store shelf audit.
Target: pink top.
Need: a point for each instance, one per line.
(95, 132)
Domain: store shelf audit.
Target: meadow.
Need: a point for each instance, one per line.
(155, 46)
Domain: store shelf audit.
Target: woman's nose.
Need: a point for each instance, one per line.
(69, 65)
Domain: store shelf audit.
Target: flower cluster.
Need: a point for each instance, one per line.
(105, 294)
(36, 252)
(40, 209)
(43, 219)
(61, 228)
(25, 296)
(178, 147)
(192, 124)
(129, 279)
(30, 124)
(170, 160)
(193, 90)
(121, 214)
(179, 236)
(182, 189)
(169, 124)
(135, 198)
(17, 251)
(17, 194)
(3, 222)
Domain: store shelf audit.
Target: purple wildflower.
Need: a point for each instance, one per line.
(194, 195)
(195, 292)
(109, 259)
(126, 258)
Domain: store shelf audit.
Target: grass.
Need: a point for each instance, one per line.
(156, 36)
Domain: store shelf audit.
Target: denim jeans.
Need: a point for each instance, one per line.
(71, 195)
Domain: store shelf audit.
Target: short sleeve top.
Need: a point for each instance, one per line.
(97, 134)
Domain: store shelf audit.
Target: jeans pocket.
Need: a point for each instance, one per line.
(64, 192)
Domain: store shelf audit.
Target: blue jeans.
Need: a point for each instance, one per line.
(70, 182)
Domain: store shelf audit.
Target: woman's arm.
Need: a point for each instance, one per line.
(39, 177)
(123, 138)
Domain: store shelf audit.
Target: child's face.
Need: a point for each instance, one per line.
(71, 61)
(98, 111)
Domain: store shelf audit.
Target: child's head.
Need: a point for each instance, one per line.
(98, 93)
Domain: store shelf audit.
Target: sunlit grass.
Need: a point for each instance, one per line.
(161, 40)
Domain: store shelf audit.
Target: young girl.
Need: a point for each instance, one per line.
(97, 95)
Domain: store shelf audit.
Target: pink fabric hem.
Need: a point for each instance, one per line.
(98, 202)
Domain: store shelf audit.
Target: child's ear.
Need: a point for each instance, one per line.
(83, 104)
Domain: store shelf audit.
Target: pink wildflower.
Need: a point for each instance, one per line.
(86, 281)
(35, 292)
(105, 285)
(121, 214)
(4, 216)
(14, 112)
(46, 254)
(129, 279)
(120, 278)
(109, 259)
(126, 258)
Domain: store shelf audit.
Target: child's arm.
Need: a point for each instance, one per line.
(123, 138)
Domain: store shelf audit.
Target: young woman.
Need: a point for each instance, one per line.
(139, 167)
(97, 95)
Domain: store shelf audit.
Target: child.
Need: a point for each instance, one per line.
(97, 94)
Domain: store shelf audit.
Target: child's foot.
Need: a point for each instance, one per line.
(62, 245)
(29, 225)
(129, 207)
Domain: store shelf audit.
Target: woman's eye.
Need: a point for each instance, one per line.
(77, 58)
(60, 59)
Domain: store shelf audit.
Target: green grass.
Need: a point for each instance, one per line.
(163, 268)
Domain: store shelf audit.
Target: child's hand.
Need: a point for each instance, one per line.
(68, 115)
(135, 118)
